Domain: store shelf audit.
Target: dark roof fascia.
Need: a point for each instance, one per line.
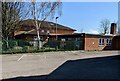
(80, 35)
(85, 35)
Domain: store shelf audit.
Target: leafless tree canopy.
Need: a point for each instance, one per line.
(104, 26)
(12, 13)
(43, 10)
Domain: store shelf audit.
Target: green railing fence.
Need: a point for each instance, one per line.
(23, 46)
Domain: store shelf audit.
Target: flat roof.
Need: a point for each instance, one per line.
(86, 35)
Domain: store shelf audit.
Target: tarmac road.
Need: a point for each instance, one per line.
(61, 65)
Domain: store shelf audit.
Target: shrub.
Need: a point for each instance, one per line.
(23, 43)
(4, 45)
(17, 48)
(26, 48)
(12, 44)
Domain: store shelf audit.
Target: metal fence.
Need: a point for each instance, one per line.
(22, 46)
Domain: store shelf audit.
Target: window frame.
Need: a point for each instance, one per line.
(108, 42)
(101, 41)
(48, 31)
(43, 31)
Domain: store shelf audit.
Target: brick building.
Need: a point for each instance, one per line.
(86, 41)
(103, 42)
(27, 30)
(95, 41)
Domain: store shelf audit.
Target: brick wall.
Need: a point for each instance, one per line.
(63, 32)
(116, 43)
(46, 29)
(43, 30)
(93, 44)
(59, 31)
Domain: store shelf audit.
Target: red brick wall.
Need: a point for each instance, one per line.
(25, 37)
(59, 31)
(30, 37)
(116, 44)
(63, 32)
(93, 44)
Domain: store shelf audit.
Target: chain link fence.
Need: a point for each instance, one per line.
(25, 46)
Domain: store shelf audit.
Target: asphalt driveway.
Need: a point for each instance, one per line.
(61, 65)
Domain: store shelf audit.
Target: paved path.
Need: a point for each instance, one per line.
(61, 65)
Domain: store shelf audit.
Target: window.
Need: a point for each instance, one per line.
(108, 42)
(41, 38)
(35, 37)
(42, 30)
(101, 41)
(48, 31)
(62, 39)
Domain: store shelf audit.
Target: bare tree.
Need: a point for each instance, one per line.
(12, 13)
(104, 26)
(43, 10)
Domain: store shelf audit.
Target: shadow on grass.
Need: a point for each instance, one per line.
(91, 69)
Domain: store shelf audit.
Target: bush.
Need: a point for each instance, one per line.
(26, 48)
(62, 45)
(4, 45)
(23, 43)
(17, 48)
(12, 44)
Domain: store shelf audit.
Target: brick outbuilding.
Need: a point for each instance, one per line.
(93, 41)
